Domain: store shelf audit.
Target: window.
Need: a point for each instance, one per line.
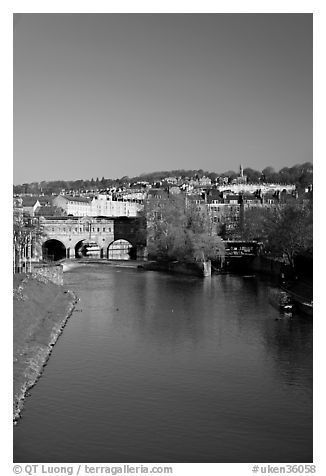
(98, 230)
(103, 228)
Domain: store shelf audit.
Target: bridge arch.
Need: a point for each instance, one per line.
(53, 250)
(121, 250)
(79, 249)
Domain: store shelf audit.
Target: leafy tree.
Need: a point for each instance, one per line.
(253, 176)
(213, 176)
(268, 173)
(285, 175)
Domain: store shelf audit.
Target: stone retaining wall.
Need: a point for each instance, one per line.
(262, 264)
(52, 272)
(202, 269)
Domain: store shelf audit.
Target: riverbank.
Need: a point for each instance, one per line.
(69, 264)
(202, 269)
(128, 373)
(40, 312)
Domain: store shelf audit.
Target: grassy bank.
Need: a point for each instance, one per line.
(40, 311)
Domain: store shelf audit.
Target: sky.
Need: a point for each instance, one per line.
(123, 94)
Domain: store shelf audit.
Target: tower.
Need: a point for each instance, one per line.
(241, 171)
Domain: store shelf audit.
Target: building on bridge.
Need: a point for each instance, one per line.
(76, 237)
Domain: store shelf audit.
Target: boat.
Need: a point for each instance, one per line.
(67, 265)
(91, 248)
(304, 306)
(300, 303)
(280, 299)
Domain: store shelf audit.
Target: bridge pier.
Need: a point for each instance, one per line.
(70, 253)
(141, 253)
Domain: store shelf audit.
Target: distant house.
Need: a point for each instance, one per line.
(174, 190)
(251, 200)
(30, 205)
(49, 211)
(103, 205)
(171, 180)
(76, 206)
(157, 193)
(18, 208)
(205, 181)
(45, 200)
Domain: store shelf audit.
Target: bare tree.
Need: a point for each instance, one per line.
(285, 230)
(179, 230)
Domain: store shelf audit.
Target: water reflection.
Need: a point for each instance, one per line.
(162, 367)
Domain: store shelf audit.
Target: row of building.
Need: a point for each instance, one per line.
(226, 205)
(99, 205)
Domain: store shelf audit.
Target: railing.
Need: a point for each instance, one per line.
(233, 248)
(22, 256)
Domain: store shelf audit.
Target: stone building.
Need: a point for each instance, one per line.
(75, 206)
(100, 205)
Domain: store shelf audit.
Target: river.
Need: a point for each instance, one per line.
(153, 367)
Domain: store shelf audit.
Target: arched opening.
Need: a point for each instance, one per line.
(80, 249)
(120, 249)
(87, 249)
(53, 250)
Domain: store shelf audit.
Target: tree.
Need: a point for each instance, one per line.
(286, 230)
(213, 176)
(179, 230)
(27, 234)
(292, 233)
(268, 173)
(252, 175)
(285, 175)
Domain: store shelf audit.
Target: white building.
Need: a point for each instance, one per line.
(101, 205)
(75, 206)
(251, 188)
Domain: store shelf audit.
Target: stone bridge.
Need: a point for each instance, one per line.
(101, 237)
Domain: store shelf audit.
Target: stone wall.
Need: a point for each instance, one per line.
(201, 269)
(129, 229)
(198, 269)
(262, 264)
(51, 272)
